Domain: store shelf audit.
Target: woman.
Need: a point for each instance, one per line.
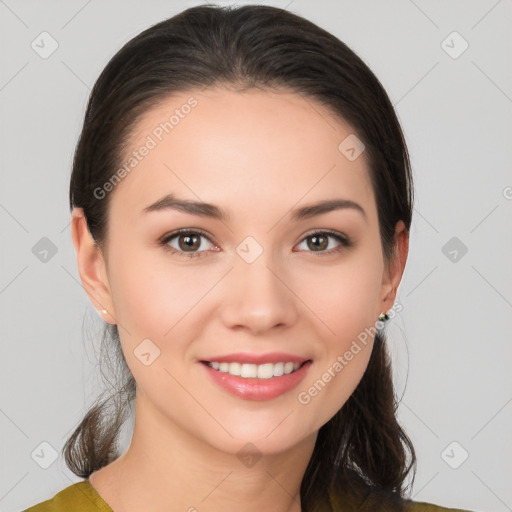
(241, 201)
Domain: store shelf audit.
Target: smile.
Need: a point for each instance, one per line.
(256, 381)
(259, 371)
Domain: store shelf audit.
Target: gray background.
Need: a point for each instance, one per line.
(451, 343)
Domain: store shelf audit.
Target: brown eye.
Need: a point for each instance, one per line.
(318, 242)
(186, 242)
(189, 242)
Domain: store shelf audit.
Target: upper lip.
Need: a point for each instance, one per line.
(271, 357)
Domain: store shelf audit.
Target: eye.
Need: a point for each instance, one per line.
(319, 241)
(187, 243)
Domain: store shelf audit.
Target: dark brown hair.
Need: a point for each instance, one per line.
(362, 447)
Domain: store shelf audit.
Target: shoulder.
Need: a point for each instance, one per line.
(378, 503)
(419, 506)
(355, 494)
(79, 497)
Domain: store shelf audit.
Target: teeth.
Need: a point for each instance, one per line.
(260, 371)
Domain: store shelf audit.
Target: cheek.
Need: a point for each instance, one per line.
(155, 304)
(166, 304)
(330, 386)
(343, 297)
(151, 295)
(345, 301)
(343, 359)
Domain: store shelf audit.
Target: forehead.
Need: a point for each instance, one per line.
(228, 147)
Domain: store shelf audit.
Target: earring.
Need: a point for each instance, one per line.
(383, 317)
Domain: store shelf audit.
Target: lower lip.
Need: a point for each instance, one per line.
(258, 389)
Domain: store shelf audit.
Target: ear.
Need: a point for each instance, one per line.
(394, 270)
(91, 266)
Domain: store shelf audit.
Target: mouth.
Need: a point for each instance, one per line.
(256, 371)
(257, 382)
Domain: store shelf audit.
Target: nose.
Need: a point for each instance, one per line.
(257, 297)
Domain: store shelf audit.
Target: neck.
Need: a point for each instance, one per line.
(168, 469)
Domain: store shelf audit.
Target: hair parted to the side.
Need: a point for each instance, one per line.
(362, 446)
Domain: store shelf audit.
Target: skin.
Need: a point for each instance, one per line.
(257, 154)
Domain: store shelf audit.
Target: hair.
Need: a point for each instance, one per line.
(362, 447)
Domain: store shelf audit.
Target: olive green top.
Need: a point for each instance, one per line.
(82, 497)
(79, 497)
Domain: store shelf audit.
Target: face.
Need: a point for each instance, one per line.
(269, 276)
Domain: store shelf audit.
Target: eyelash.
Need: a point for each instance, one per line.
(345, 242)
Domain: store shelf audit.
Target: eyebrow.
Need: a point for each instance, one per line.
(171, 202)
